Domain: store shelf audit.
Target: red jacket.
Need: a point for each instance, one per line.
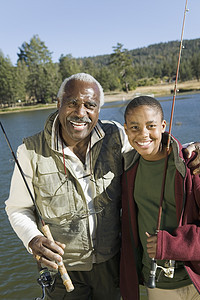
(183, 245)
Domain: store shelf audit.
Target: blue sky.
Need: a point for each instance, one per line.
(86, 28)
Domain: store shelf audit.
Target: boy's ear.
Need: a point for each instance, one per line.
(164, 124)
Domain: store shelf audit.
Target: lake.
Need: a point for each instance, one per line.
(18, 276)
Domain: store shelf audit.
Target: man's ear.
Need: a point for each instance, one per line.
(125, 127)
(58, 103)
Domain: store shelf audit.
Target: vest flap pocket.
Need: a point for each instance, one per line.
(47, 167)
(49, 181)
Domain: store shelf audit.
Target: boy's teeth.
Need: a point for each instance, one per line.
(143, 143)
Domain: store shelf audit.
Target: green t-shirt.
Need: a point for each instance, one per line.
(147, 193)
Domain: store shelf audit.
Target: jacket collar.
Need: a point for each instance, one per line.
(52, 136)
(132, 157)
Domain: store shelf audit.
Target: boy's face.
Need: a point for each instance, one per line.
(144, 129)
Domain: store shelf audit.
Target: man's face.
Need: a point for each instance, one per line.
(79, 110)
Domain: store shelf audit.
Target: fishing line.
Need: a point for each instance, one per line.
(151, 282)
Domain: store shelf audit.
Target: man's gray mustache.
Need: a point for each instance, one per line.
(79, 120)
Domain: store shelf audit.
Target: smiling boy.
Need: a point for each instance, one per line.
(179, 235)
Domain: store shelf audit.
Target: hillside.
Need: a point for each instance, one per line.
(154, 53)
(37, 80)
(158, 60)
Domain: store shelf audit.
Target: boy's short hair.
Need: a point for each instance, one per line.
(144, 100)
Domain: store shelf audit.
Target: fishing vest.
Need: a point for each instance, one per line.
(61, 201)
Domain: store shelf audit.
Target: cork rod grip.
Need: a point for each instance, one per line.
(63, 272)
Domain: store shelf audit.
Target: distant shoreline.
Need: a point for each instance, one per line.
(159, 90)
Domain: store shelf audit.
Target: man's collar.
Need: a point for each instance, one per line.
(97, 134)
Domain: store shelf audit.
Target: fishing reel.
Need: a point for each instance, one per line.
(45, 281)
(168, 270)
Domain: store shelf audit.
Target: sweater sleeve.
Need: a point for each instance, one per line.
(19, 205)
(183, 245)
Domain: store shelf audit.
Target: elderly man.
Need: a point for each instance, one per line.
(73, 168)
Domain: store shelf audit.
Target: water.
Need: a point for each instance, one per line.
(18, 276)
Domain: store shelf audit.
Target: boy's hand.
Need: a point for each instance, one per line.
(151, 245)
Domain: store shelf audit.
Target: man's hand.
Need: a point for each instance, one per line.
(151, 245)
(195, 164)
(46, 251)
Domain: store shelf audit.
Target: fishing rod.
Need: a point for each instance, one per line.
(45, 228)
(169, 270)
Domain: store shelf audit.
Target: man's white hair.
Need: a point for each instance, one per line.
(83, 77)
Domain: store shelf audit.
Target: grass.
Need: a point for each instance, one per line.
(27, 108)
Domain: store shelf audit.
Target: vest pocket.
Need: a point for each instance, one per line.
(54, 193)
(49, 180)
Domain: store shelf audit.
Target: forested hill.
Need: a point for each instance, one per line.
(36, 78)
(160, 59)
(157, 52)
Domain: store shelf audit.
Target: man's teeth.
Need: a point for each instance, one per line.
(78, 124)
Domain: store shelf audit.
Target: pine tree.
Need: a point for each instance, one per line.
(6, 81)
(42, 72)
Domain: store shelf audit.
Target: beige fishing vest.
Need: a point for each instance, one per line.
(61, 201)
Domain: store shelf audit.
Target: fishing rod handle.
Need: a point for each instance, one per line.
(152, 276)
(61, 267)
